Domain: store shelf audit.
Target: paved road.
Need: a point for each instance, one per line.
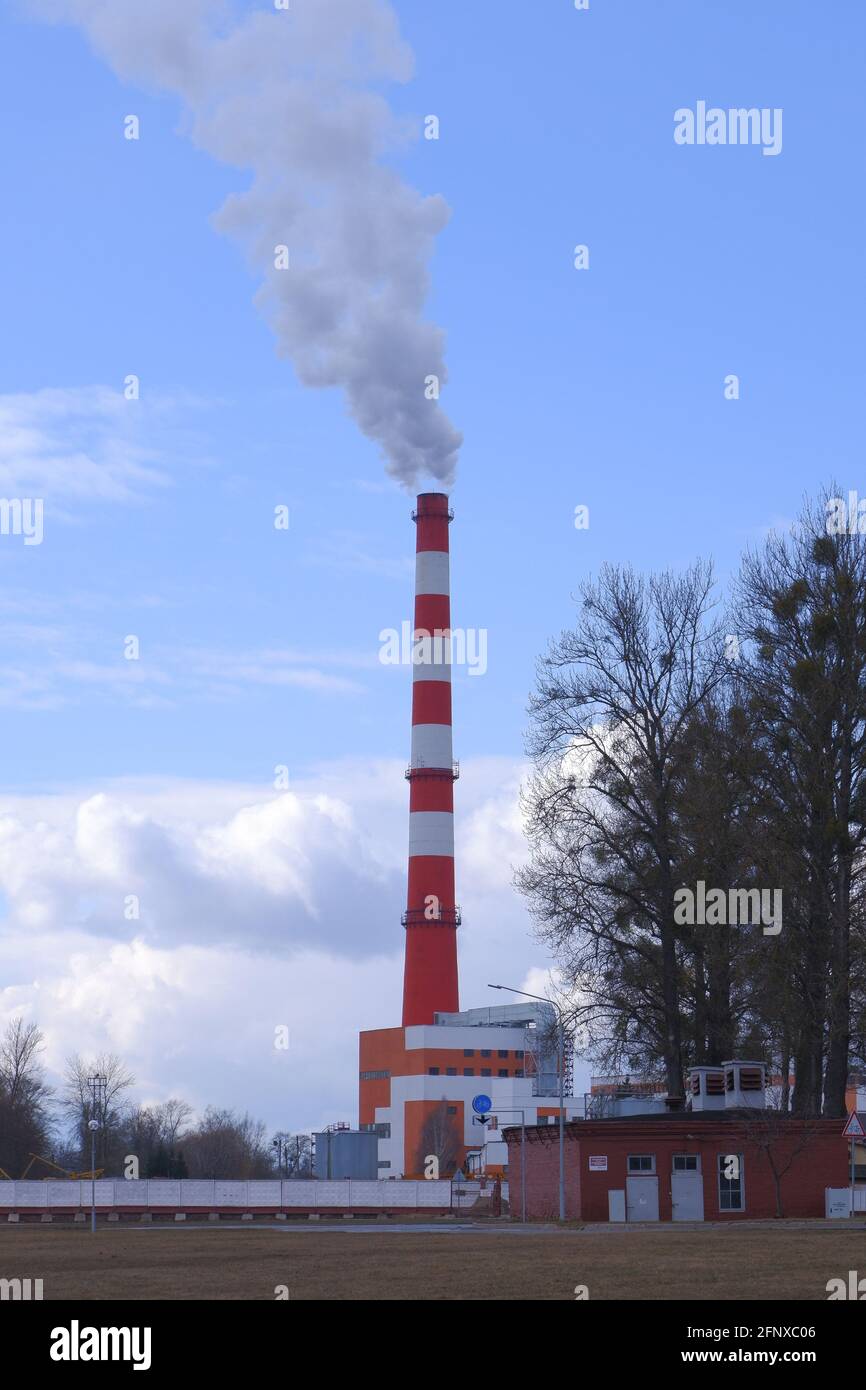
(504, 1228)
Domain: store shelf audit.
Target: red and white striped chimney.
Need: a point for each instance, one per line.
(431, 918)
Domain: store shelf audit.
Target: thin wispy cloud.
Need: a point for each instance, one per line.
(86, 445)
(49, 666)
(344, 553)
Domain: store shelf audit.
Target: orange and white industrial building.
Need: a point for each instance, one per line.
(504, 1053)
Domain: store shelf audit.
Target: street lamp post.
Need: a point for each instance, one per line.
(561, 1036)
(97, 1085)
(93, 1126)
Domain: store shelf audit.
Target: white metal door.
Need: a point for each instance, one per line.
(642, 1198)
(687, 1196)
(615, 1204)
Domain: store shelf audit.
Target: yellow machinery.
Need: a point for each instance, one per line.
(37, 1158)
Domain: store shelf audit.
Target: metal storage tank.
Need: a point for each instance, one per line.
(345, 1153)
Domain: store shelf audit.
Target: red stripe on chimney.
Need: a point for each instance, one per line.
(431, 793)
(431, 702)
(432, 614)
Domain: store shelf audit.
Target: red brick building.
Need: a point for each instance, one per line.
(697, 1166)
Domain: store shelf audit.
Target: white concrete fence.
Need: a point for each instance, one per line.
(154, 1194)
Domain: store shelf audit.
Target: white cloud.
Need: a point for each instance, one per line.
(277, 872)
(45, 669)
(200, 1023)
(225, 671)
(257, 910)
(85, 445)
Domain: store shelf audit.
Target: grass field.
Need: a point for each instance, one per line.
(219, 1263)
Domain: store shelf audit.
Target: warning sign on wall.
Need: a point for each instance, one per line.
(598, 1163)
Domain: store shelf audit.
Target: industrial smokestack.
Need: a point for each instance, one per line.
(431, 918)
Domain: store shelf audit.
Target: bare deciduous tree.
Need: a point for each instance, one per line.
(227, 1145)
(24, 1095)
(614, 702)
(770, 1132)
(802, 605)
(77, 1103)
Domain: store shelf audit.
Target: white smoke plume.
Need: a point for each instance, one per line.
(288, 94)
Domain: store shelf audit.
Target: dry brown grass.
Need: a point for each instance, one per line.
(218, 1263)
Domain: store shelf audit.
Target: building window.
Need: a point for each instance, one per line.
(503, 1052)
(731, 1194)
(519, 1054)
(432, 1071)
(485, 1052)
(485, 1071)
(469, 1052)
(641, 1163)
(503, 1071)
(450, 1071)
(543, 1120)
(519, 1071)
(687, 1163)
(383, 1131)
(468, 1071)
(452, 1109)
(375, 1075)
(384, 1163)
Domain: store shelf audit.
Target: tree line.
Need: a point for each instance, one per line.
(164, 1140)
(682, 738)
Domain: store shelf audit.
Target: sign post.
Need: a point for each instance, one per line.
(482, 1106)
(854, 1129)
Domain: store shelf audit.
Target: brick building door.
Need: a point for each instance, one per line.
(642, 1198)
(687, 1196)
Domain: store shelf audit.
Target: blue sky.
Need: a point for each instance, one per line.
(602, 388)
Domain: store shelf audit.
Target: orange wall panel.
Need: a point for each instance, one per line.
(416, 1112)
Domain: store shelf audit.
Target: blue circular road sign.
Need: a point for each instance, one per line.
(481, 1104)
